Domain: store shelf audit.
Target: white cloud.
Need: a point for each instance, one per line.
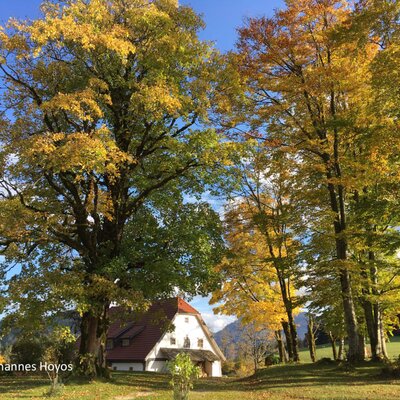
(214, 322)
(217, 322)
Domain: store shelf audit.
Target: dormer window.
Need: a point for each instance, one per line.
(186, 343)
(125, 343)
(200, 343)
(109, 344)
(172, 341)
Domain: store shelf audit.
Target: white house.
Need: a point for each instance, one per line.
(147, 342)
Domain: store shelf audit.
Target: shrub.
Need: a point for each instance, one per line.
(183, 372)
(271, 359)
(58, 339)
(392, 369)
(228, 368)
(27, 350)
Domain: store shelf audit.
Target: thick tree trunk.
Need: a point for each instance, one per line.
(332, 339)
(382, 336)
(355, 353)
(372, 319)
(311, 338)
(372, 312)
(289, 341)
(293, 335)
(337, 202)
(293, 347)
(281, 347)
(363, 345)
(91, 360)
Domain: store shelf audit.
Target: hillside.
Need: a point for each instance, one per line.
(234, 330)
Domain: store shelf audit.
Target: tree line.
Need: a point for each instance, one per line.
(117, 122)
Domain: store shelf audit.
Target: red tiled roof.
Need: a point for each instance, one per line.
(184, 307)
(146, 329)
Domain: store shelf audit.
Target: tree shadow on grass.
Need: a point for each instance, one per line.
(278, 377)
(302, 375)
(20, 383)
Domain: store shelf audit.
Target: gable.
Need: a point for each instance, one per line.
(189, 326)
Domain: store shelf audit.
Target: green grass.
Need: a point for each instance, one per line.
(286, 382)
(393, 349)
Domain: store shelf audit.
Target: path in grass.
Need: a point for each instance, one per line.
(288, 382)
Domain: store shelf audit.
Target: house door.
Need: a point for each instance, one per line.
(202, 366)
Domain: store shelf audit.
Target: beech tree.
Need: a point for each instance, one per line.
(305, 92)
(259, 271)
(101, 102)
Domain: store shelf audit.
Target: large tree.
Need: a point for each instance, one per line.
(306, 92)
(101, 105)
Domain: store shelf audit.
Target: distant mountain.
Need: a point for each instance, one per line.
(233, 331)
(301, 323)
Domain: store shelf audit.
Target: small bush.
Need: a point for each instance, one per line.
(271, 359)
(183, 372)
(228, 368)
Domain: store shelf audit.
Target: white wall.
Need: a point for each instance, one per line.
(216, 369)
(156, 366)
(193, 330)
(123, 366)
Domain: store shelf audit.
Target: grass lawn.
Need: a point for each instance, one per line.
(301, 381)
(393, 349)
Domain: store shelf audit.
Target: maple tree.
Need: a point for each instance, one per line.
(99, 130)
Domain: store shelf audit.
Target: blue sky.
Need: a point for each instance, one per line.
(222, 18)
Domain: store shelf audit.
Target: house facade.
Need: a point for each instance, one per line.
(169, 327)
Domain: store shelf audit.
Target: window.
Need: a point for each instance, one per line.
(109, 344)
(125, 342)
(114, 368)
(186, 343)
(172, 341)
(130, 368)
(187, 319)
(200, 343)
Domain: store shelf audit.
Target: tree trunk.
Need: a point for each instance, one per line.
(355, 353)
(289, 341)
(311, 338)
(293, 346)
(92, 355)
(281, 347)
(382, 336)
(337, 202)
(363, 345)
(293, 335)
(372, 312)
(333, 344)
(341, 350)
